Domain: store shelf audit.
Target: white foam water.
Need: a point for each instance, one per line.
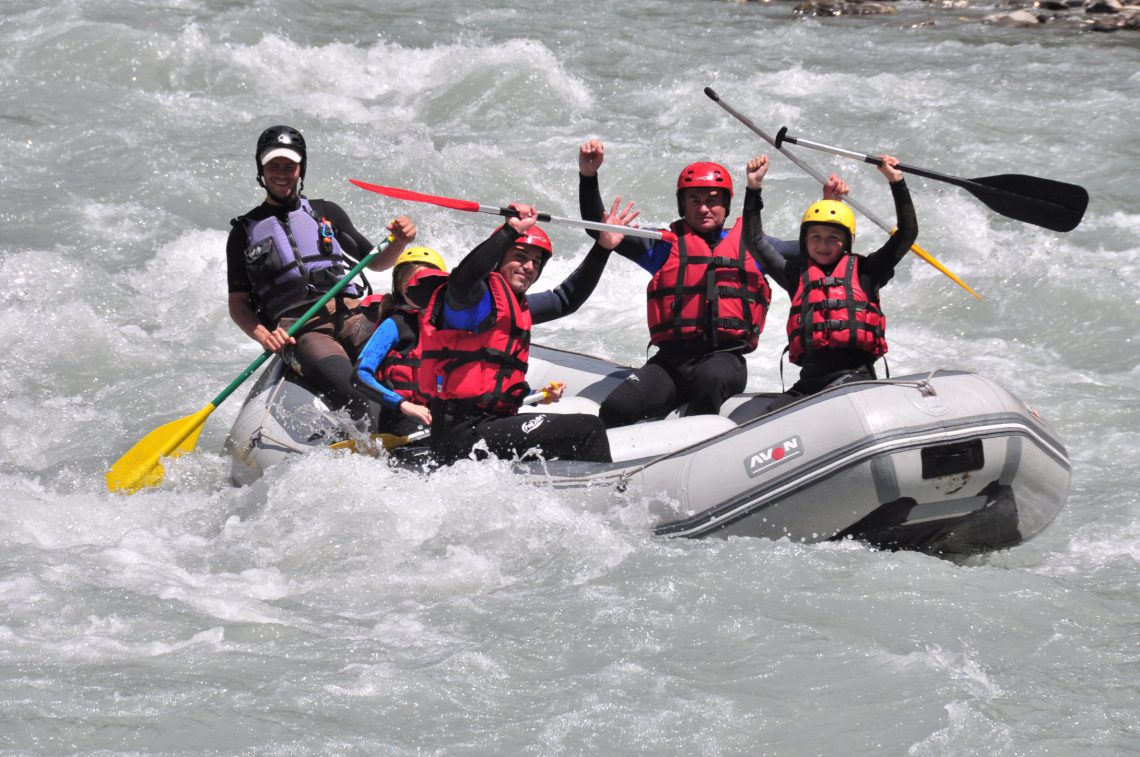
(339, 606)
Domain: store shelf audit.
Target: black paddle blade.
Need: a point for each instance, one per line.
(1043, 202)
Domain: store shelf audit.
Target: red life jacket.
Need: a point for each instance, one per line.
(833, 311)
(399, 370)
(485, 369)
(718, 296)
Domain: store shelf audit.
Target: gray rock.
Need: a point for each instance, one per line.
(1129, 19)
(1020, 19)
(841, 8)
(1103, 6)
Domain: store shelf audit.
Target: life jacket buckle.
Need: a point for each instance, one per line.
(326, 233)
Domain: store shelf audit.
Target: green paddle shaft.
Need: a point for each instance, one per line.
(141, 465)
(317, 306)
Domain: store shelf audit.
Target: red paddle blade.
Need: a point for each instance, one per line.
(407, 194)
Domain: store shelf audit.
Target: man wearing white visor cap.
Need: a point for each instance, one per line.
(287, 252)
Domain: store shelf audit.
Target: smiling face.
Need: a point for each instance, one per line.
(282, 177)
(825, 243)
(521, 266)
(704, 210)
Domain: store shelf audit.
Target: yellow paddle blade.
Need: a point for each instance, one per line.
(391, 441)
(372, 446)
(377, 443)
(930, 259)
(364, 447)
(141, 466)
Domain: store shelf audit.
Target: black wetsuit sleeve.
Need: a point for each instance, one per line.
(789, 248)
(237, 279)
(783, 269)
(879, 266)
(568, 296)
(753, 204)
(354, 244)
(592, 208)
(468, 282)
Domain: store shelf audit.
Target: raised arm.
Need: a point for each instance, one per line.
(591, 155)
(884, 260)
(775, 262)
(467, 284)
(576, 288)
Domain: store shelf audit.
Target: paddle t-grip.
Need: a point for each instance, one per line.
(783, 136)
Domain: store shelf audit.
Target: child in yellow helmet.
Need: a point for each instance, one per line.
(836, 328)
(387, 369)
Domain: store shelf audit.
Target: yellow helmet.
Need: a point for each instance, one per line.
(833, 213)
(422, 255)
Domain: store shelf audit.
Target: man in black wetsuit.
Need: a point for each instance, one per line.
(475, 337)
(283, 255)
(707, 300)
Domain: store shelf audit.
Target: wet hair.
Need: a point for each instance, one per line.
(386, 307)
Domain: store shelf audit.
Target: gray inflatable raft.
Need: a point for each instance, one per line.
(946, 462)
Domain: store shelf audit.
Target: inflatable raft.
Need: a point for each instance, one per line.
(945, 462)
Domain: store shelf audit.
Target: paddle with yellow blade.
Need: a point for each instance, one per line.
(823, 180)
(378, 443)
(141, 466)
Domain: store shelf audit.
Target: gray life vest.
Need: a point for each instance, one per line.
(293, 261)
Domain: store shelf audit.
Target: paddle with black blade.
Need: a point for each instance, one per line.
(141, 466)
(474, 207)
(823, 180)
(1042, 202)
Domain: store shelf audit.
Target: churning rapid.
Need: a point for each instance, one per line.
(337, 605)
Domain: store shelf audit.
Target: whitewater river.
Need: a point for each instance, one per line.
(340, 607)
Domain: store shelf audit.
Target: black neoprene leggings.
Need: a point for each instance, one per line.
(325, 351)
(576, 436)
(661, 385)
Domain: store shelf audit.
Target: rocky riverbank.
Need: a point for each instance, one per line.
(1087, 15)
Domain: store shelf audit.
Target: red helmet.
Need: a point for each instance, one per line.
(703, 174)
(538, 238)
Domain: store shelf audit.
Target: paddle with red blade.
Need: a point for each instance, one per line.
(1042, 202)
(474, 207)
